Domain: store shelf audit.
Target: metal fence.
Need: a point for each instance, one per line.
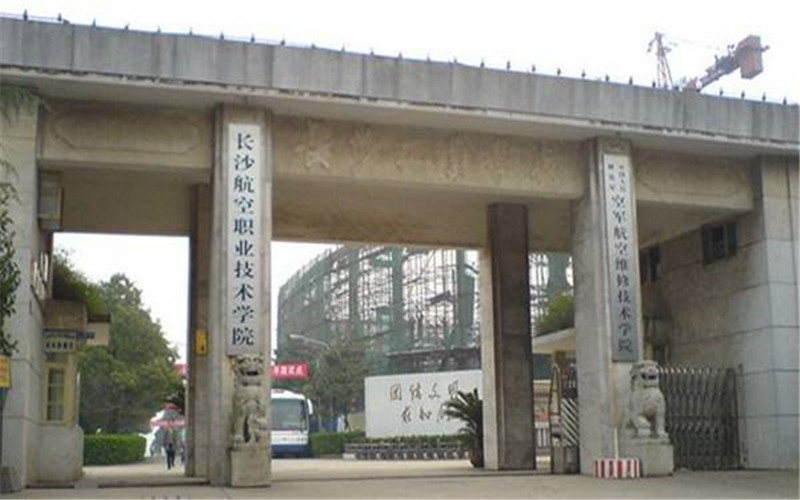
(701, 416)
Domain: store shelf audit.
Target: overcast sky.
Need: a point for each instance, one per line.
(600, 37)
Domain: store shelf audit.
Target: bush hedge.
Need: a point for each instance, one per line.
(332, 443)
(433, 440)
(109, 449)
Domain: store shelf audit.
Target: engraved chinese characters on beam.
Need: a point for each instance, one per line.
(244, 171)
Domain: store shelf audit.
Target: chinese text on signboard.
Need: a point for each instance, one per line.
(244, 245)
(623, 281)
(413, 404)
(290, 371)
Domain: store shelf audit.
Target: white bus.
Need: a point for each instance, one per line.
(291, 414)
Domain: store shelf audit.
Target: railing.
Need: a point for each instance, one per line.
(542, 430)
(701, 416)
(446, 450)
(405, 451)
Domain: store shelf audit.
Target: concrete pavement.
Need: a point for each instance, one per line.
(330, 478)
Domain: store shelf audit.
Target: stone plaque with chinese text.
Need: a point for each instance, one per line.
(412, 404)
(243, 294)
(621, 245)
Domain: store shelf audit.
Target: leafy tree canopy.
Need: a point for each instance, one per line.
(337, 382)
(13, 100)
(71, 284)
(559, 315)
(125, 383)
(9, 269)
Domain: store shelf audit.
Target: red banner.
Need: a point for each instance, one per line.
(290, 371)
(180, 422)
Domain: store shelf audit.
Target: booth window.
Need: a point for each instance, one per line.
(56, 379)
(719, 242)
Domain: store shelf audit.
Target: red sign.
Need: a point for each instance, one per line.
(179, 422)
(290, 371)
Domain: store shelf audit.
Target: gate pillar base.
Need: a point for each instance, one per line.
(565, 460)
(656, 458)
(250, 466)
(9, 480)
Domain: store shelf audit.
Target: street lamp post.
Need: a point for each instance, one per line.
(309, 340)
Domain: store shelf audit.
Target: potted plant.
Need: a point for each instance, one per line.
(468, 407)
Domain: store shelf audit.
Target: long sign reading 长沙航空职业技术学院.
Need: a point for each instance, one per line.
(243, 294)
(623, 280)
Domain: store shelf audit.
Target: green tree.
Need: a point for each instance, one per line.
(9, 270)
(337, 383)
(13, 101)
(124, 384)
(71, 284)
(559, 314)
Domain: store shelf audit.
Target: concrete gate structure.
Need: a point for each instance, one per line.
(140, 133)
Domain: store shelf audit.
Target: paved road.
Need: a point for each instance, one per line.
(420, 479)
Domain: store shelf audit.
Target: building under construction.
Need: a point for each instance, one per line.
(418, 310)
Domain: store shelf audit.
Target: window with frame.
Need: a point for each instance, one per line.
(719, 242)
(56, 381)
(650, 264)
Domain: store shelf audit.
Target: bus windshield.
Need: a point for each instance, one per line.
(289, 415)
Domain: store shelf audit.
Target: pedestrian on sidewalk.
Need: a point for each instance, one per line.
(170, 456)
(169, 442)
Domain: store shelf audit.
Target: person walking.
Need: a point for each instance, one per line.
(170, 456)
(169, 444)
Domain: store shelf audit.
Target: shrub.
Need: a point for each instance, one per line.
(417, 440)
(109, 449)
(332, 443)
(559, 315)
(468, 408)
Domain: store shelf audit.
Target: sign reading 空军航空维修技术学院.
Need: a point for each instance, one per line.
(620, 236)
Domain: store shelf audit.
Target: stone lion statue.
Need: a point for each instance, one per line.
(646, 410)
(249, 401)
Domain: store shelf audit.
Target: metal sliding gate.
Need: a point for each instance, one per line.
(564, 420)
(701, 416)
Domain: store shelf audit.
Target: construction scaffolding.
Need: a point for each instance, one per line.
(418, 310)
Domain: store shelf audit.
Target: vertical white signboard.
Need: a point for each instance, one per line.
(243, 294)
(623, 278)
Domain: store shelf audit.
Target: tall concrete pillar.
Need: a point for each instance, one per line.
(605, 348)
(242, 167)
(766, 339)
(197, 400)
(23, 411)
(506, 355)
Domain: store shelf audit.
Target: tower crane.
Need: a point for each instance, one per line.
(744, 56)
(663, 73)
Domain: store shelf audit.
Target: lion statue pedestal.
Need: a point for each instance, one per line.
(250, 452)
(642, 434)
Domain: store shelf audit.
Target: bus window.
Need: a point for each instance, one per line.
(289, 415)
